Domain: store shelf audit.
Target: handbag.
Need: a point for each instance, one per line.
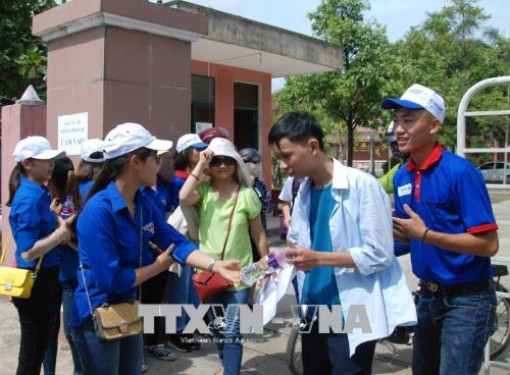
(17, 282)
(119, 320)
(208, 283)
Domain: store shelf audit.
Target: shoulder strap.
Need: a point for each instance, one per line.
(4, 253)
(4, 250)
(230, 222)
(89, 301)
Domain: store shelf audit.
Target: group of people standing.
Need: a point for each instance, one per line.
(342, 238)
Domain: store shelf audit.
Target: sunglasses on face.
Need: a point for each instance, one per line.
(216, 161)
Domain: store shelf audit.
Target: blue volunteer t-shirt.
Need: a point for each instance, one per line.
(319, 287)
(450, 195)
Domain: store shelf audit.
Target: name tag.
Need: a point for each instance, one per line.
(404, 190)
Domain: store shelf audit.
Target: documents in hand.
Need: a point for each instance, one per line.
(273, 290)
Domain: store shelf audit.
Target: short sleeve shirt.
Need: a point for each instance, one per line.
(214, 217)
(450, 195)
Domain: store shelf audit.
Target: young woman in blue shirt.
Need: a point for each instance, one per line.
(35, 232)
(114, 229)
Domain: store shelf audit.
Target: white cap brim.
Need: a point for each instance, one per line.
(49, 154)
(160, 145)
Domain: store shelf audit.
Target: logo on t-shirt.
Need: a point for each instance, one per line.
(149, 227)
(404, 190)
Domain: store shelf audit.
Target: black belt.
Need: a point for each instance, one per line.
(466, 288)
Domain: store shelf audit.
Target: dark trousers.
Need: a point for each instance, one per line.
(152, 293)
(37, 316)
(327, 354)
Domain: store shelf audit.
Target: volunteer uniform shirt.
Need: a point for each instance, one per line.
(31, 219)
(109, 247)
(449, 194)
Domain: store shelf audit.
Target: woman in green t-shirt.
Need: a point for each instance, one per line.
(228, 192)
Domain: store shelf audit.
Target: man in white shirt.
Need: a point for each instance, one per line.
(341, 235)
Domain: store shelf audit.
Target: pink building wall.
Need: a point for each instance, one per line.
(225, 77)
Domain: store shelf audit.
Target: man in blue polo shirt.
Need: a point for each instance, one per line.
(444, 218)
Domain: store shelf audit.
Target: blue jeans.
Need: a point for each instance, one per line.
(229, 345)
(452, 332)
(68, 308)
(113, 357)
(328, 354)
(180, 290)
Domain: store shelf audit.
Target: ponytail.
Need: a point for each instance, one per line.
(110, 170)
(14, 181)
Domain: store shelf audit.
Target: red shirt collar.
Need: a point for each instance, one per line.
(431, 159)
(181, 174)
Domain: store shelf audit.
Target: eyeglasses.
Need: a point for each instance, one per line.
(216, 161)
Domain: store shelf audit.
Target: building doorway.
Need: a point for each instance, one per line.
(246, 115)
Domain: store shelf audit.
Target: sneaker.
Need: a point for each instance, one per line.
(144, 366)
(161, 352)
(181, 343)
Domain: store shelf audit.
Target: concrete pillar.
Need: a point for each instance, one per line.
(26, 117)
(119, 61)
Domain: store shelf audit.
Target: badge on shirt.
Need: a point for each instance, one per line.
(149, 227)
(404, 190)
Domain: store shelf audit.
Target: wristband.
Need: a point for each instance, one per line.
(194, 176)
(212, 262)
(424, 234)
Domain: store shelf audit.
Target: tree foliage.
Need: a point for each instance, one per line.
(451, 51)
(22, 55)
(349, 97)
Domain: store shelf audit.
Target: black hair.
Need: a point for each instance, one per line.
(14, 181)
(59, 176)
(111, 169)
(88, 171)
(297, 127)
(181, 160)
(64, 182)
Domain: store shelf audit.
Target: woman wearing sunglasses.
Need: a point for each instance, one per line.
(228, 193)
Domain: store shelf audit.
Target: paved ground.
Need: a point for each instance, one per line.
(267, 355)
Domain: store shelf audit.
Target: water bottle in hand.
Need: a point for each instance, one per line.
(68, 208)
(265, 266)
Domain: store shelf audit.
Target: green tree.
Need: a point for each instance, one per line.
(450, 52)
(22, 55)
(349, 97)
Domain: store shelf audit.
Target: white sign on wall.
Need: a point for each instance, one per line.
(72, 132)
(201, 126)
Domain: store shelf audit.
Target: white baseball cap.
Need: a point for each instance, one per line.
(35, 147)
(92, 146)
(190, 140)
(418, 97)
(128, 137)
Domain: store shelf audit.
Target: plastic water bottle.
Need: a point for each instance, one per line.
(68, 208)
(267, 265)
